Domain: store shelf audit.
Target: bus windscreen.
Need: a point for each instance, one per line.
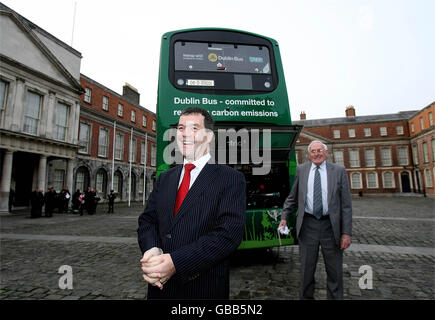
(220, 57)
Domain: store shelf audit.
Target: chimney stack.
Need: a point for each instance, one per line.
(350, 111)
(303, 116)
(131, 94)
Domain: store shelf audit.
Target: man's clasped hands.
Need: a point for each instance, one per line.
(158, 268)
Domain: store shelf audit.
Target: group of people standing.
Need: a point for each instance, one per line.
(80, 201)
(51, 200)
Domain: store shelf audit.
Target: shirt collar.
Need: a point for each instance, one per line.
(199, 163)
(321, 167)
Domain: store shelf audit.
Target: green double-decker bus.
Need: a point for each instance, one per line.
(238, 77)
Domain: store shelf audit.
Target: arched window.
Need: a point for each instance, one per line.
(388, 180)
(355, 180)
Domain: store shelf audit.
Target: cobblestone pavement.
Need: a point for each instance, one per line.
(394, 236)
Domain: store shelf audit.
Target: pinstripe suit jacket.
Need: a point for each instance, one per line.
(207, 228)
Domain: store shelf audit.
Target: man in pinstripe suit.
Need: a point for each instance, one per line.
(186, 243)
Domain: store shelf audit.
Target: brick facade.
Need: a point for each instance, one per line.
(377, 150)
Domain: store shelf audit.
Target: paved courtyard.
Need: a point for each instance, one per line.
(393, 237)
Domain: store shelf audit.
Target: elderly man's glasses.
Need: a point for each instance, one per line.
(317, 151)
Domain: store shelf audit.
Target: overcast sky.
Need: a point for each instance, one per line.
(377, 55)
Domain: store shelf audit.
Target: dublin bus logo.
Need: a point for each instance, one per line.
(243, 146)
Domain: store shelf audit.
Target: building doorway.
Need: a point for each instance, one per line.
(406, 183)
(23, 167)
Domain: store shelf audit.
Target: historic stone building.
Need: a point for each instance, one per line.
(39, 107)
(387, 153)
(116, 134)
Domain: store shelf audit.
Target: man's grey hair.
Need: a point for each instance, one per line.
(317, 141)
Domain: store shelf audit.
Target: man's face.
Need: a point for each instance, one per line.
(317, 153)
(192, 137)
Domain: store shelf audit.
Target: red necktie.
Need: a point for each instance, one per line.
(184, 187)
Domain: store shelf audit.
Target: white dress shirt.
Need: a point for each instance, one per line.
(310, 188)
(199, 164)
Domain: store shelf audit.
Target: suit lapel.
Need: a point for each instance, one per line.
(305, 172)
(330, 172)
(206, 176)
(174, 179)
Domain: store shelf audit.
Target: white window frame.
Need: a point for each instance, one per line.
(58, 179)
(31, 124)
(399, 130)
(367, 159)
(422, 123)
(402, 159)
(88, 95)
(383, 131)
(412, 127)
(336, 134)
(143, 150)
(153, 155)
(425, 152)
(354, 158)
(144, 121)
(428, 178)
(430, 119)
(415, 155)
(133, 115)
(120, 110)
(61, 129)
(105, 104)
(367, 132)
(119, 146)
(103, 146)
(432, 142)
(393, 181)
(133, 150)
(341, 160)
(384, 160)
(351, 132)
(88, 138)
(353, 182)
(375, 174)
(3, 99)
(154, 125)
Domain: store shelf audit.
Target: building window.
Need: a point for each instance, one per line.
(117, 183)
(415, 153)
(412, 127)
(338, 157)
(153, 155)
(100, 181)
(120, 110)
(370, 157)
(31, 115)
(428, 178)
(61, 121)
(386, 156)
(88, 94)
(402, 156)
(355, 180)
(58, 179)
(141, 183)
(336, 134)
(421, 123)
(399, 130)
(133, 150)
(154, 125)
(105, 103)
(354, 158)
(430, 119)
(425, 152)
(351, 133)
(133, 116)
(383, 131)
(144, 121)
(103, 143)
(372, 180)
(84, 140)
(119, 146)
(367, 132)
(433, 150)
(388, 179)
(143, 151)
(3, 91)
